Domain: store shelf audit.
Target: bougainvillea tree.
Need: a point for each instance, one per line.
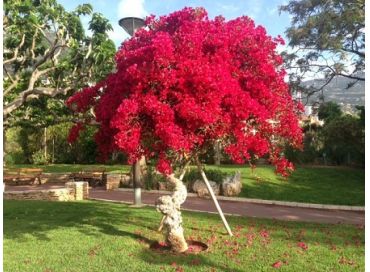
(185, 81)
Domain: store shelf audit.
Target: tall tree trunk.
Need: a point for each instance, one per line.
(45, 145)
(4, 145)
(169, 206)
(138, 172)
(217, 151)
(53, 158)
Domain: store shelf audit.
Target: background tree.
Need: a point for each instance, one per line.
(329, 111)
(361, 110)
(327, 39)
(47, 55)
(344, 140)
(184, 83)
(340, 140)
(25, 144)
(312, 146)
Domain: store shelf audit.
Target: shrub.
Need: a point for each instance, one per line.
(214, 175)
(39, 157)
(14, 158)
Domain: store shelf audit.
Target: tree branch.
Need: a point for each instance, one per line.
(11, 86)
(33, 44)
(30, 94)
(15, 55)
(8, 74)
(49, 53)
(44, 34)
(352, 77)
(358, 53)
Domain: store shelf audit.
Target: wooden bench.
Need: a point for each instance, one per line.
(95, 176)
(22, 176)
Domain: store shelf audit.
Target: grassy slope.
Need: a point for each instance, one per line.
(93, 236)
(341, 186)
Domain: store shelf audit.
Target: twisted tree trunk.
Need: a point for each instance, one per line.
(169, 206)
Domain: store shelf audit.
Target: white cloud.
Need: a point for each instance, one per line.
(131, 8)
(228, 8)
(254, 9)
(118, 35)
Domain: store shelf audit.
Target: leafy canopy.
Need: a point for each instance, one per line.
(328, 111)
(47, 54)
(327, 39)
(184, 82)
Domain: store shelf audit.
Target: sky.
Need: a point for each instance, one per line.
(264, 12)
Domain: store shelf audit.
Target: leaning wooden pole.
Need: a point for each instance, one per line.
(214, 199)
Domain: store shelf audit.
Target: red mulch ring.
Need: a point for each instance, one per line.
(195, 247)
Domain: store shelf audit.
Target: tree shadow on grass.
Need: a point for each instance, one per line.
(23, 219)
(183, 260)
(35, 218)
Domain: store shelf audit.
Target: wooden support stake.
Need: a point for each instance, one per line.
(214, 199)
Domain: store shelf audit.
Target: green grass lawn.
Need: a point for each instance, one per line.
(340, 186)
(97, 236)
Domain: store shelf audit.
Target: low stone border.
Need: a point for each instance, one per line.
(72, 191)
(61, 194)
(267, 202)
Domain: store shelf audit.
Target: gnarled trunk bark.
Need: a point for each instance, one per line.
(169, 206)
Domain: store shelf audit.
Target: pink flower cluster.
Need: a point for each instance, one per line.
(185, 81)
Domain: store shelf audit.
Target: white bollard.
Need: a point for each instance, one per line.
(137, 193)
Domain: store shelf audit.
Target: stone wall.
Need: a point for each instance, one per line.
(114, 181)
(80, 189)
(62, 194)
(73, 191)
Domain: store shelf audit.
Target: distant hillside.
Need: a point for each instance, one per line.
(337, 91)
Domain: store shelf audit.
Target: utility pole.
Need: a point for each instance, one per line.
(131, 25)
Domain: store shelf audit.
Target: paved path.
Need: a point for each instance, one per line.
(228, 207)
(34, 187)
(244, 209)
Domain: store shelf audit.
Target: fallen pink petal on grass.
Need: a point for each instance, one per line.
(302, 245)
(277, 264)
(264, 233)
